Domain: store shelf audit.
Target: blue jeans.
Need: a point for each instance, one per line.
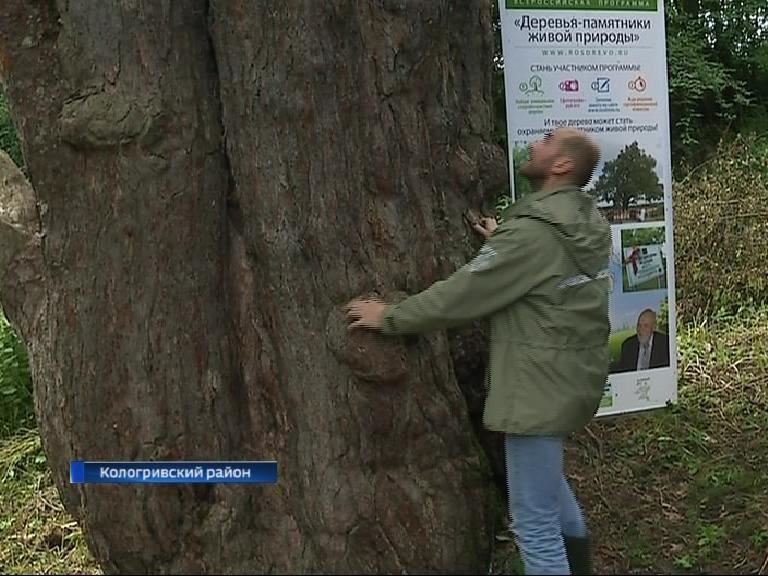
(542, 506)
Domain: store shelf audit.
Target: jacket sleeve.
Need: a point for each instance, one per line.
(504, 270)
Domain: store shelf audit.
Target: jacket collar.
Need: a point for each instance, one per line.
(519, 206)
(541, 194)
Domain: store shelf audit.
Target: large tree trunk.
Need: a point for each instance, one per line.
(212, 182)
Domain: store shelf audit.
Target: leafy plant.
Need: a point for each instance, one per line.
(9, 142)
(16, 401)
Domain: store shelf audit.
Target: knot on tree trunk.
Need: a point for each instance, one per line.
(371, 356)
(464, 169)
(17, 200)
(109, 118)
(493, 167)
(480, 171)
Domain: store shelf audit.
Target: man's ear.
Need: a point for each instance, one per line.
(562, 165)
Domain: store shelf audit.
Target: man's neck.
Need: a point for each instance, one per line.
(554, 183)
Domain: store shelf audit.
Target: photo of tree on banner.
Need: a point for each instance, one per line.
(644, 259)
(628, 188)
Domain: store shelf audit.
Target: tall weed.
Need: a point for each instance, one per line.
(721, 231)
(16, 400)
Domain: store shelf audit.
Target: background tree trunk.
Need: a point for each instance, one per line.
(212, 182)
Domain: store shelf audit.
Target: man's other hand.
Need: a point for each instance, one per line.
(365, 313)
(486, 226)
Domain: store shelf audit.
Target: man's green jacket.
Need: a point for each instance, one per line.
(542, 278)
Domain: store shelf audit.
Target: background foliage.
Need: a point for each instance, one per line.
(721, 231)
(718, 72)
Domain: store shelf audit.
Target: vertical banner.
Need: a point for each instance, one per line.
(600, 66)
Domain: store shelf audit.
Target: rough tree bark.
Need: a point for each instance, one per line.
(211, 183)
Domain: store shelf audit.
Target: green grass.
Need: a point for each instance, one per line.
(616, 340)
(677, 491)
(15, 383)
(37, 536)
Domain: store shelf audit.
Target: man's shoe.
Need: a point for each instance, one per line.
(579, 552)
